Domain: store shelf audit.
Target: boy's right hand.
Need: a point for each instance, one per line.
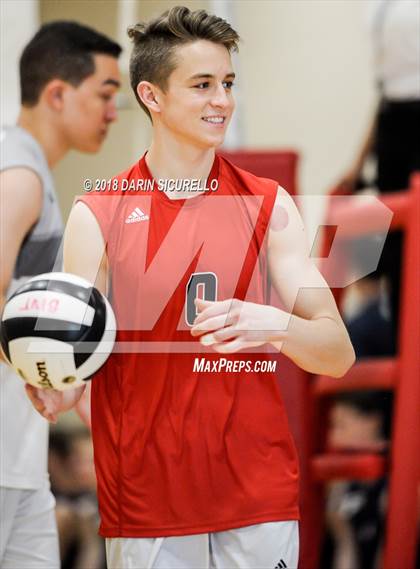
(50, 402)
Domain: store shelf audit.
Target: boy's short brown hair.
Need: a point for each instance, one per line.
(153, 56)
(61, 50)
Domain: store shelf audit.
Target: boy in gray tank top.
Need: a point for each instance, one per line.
(69, 77)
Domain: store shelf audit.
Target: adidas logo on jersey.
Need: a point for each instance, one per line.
(281, 565)
(137, 215)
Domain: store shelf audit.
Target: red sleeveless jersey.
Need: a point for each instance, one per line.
(186, 440)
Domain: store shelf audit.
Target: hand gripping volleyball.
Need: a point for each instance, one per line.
(57, 330)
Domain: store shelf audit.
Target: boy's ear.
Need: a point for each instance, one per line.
(149, 95)
(53, 94)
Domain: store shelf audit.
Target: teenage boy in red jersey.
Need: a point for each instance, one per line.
(195, 462)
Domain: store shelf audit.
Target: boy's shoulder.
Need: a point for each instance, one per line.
(245, 180)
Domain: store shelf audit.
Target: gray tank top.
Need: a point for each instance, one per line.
(23, 432)
(40, 250)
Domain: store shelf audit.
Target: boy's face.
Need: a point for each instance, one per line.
(349, 428)
(89, 108)
(198, 103)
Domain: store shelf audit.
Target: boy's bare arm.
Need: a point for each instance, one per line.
(316, 338)
(84, 255)
(20, 207)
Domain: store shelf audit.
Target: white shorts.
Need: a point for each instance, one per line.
(28, 530)
(273, 545)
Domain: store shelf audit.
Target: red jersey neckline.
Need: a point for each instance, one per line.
(178, 203)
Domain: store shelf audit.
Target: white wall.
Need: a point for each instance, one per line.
(15, 32)
(306, 81)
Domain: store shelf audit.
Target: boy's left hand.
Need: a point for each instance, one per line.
(236, 325)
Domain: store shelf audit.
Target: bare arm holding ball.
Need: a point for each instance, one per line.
(84, 255)
(21, 202)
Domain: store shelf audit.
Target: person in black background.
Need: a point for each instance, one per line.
(392, 137)
(359, 420)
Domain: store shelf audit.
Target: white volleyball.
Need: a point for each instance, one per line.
(57, 330)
